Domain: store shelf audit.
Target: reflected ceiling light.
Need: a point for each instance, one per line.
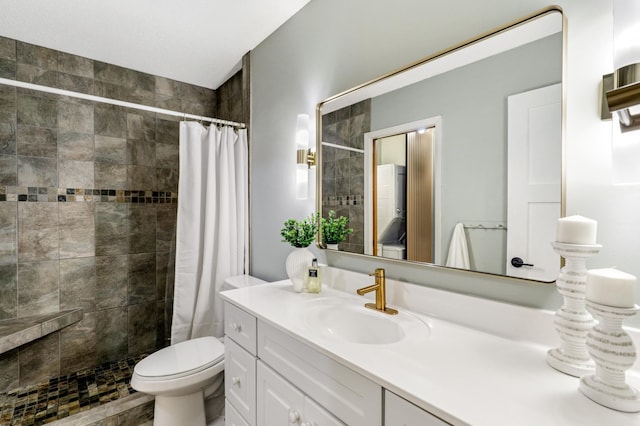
(304, 157)
(622, 88)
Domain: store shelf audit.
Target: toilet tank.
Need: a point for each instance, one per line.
(241, 281)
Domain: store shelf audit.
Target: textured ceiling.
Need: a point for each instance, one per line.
(196, 41)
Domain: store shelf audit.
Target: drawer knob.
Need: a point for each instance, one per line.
(236, 327)
(294, 416)
(235, 380)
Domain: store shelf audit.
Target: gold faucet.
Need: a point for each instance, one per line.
(381, 297)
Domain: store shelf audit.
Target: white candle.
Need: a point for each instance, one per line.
(611, 287)
(576, 230)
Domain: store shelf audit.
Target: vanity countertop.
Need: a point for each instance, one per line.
(458, 372)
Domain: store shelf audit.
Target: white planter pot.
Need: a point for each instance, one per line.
(297, 265)
(332, 246)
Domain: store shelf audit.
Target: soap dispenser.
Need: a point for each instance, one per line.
(313, 281)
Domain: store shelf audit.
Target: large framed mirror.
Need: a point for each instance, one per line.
(455, 160)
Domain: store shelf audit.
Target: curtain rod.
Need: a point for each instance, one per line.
(100, 99)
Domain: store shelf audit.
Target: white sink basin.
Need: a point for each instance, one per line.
(347, 320)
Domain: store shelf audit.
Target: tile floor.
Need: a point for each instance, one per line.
(64, 396)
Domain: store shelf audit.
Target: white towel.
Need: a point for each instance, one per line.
(458, 252)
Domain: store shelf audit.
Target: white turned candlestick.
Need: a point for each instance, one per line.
(614, 353)
(572, 321)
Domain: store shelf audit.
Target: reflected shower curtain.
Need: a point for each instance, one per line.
(212, 228)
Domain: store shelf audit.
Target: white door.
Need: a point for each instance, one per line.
(534, 181)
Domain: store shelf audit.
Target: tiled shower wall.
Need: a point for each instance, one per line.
(343, 170)
(88, 197)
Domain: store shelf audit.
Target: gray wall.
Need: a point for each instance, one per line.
(88, 198)
(330, 46)
(472, 101)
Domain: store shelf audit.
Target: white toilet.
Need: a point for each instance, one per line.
(180, 376)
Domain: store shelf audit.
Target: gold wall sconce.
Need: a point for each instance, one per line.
(304, 157)
(621, 89)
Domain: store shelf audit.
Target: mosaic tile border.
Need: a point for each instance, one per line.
(68, 395)
(62, 195)
(343, 200)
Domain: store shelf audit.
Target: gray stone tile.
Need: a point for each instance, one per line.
(141, 177)
(37, 231)
(37, 142)
(77, 230)
(38, 288)
(109, 73)
(142, 328)
(75, 117)
(75, 83)
(110, 121)
(8, 48)
(76, 174)
(9, 370)
(78, 284)
(112, 231)
(142, 278)
(78, 344)
(168, 131)
(75, 146)
(142, 228)
(110, 176)
(166, 219)
(36, 75)
(8, 170)
(167, 179)
(7, 69)
(8, 104)
(141, 415)
(75, 65)
(37, 171)
(8, 232)
(111, 334)
(35, 111)
(110, 150)
(167, 102)
(36, 55)
(165, 276)
(141, 153)
(8, 291)
(40, 360)
(141, 127)
(167, 156)
(168, 87)
(112, 277)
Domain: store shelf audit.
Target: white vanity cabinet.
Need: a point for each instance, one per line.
(400, 412)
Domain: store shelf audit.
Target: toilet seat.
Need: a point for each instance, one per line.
(181, 360)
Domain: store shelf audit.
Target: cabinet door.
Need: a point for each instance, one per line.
(240, 380)
(315, 415)
(279, 403)
(400, 412)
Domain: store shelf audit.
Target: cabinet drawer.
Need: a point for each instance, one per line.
(231, 416)
(400, 412)
(240, 380)
(352, 398)
(240, 326)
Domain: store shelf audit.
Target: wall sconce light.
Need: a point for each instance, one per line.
(304, 157)
(621, 90)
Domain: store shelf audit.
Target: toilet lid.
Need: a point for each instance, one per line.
(181, 359)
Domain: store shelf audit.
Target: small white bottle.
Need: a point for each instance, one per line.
(313, 281)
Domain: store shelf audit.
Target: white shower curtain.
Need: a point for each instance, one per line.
(212, 229)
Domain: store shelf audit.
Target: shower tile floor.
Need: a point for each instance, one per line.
(64, 396)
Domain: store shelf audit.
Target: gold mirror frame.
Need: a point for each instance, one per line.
(425, 60)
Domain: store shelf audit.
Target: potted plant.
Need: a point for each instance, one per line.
(334, 229)
(300, 234)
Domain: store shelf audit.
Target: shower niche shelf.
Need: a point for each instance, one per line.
(15, 332)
